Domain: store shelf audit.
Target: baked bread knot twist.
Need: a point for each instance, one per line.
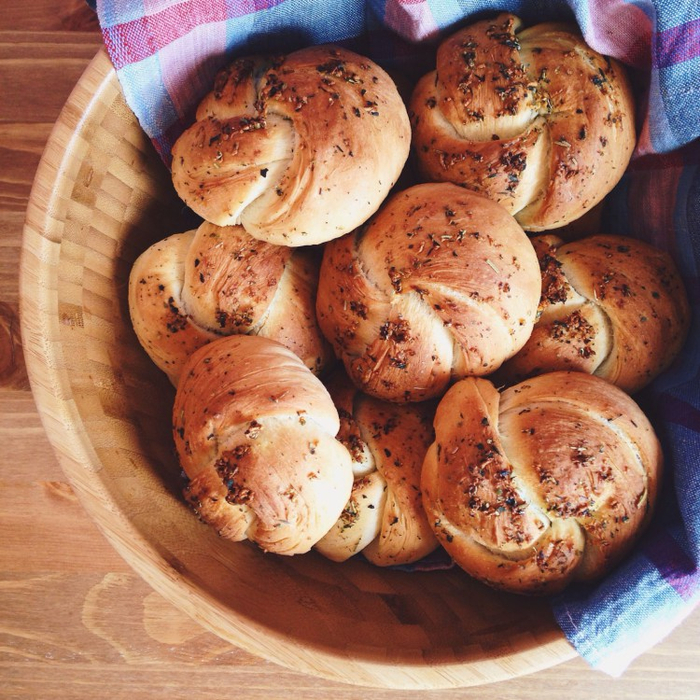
(255, 434)
(299, 149)
(194, 287)
(611, 305)
(384, 517)
(441, 284)
(533, 118)
(549, 482)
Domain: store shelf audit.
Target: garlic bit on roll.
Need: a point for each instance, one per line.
(299, 149)
(255, 434)
(549, 482)
(612, 306)
(384, 517)
(442, 283)
(194, 287)
(532, 118)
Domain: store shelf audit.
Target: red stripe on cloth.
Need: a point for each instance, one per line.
(143, 37)
(164, 143)
(620, 29)
(686, 155)
(412, 19)
(658, 161)
(681, 413)
(677, 44)
(652, 196)
(652, 193)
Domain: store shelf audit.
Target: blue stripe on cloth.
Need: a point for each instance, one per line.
(378, 8)
(686, 223)
(663, 138)
(241, 29)
(290, 25)
(147, 96)
(645, 6)
(679, 90)
(687, 478)
(683, 450)
(672, 13)
(112, 12)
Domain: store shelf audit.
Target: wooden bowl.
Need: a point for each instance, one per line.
(100, 197)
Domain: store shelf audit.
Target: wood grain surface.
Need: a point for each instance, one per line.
(75, 620)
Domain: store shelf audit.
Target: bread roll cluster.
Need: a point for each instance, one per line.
(370, 372)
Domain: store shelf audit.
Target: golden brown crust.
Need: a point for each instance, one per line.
(550, 482)
(384, 518)
(611, 305)
(255, 433)
(299, 149)
(533, 118)
(440, 284)
(194, 287)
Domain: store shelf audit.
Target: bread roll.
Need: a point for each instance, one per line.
(299, 149)
(611, 306)
(532, 118)
(549, 482)
(441, 284)
(194, 287)
(384, 517)
(255, 433)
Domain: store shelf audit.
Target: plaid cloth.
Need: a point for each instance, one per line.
(167, 52)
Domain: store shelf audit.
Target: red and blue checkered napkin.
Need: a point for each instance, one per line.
(167, 52)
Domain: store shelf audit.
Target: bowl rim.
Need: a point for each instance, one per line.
(66, 431)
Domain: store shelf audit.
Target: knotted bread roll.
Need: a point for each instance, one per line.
(299, 149)
(442, 283)
(255, 433)
(194, 287)
(533, 118)
(611, 305)
(549, 482)
(384, 517)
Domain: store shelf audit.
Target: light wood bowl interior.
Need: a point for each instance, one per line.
(100, 197)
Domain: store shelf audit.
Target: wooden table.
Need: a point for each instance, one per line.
(75, 621)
